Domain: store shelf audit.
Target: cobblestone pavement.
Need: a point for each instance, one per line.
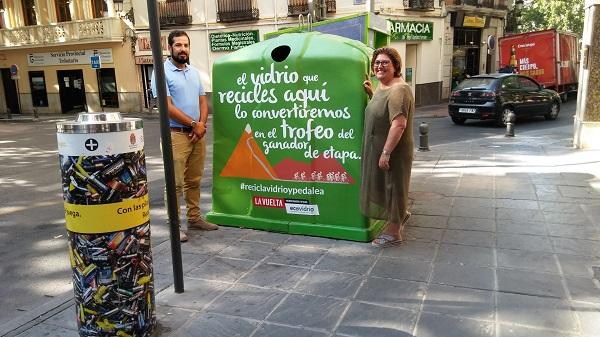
(504, 241)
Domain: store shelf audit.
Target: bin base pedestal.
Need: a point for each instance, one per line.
(303, 228)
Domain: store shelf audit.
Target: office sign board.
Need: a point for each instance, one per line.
(95, 61)
(474, 21)
(68, 57)
(232, 40)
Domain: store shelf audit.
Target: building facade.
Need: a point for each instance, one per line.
(438, 40)
(472, 31)
(66, 56)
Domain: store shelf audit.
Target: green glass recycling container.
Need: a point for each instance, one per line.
(288, 122)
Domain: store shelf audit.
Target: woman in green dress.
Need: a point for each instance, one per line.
(387, 150)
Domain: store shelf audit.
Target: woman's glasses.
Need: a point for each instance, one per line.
(383, 63)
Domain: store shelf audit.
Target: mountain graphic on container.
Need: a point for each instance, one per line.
(249, 161)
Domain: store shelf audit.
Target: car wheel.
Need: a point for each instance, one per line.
(554, 110)
(459, 120)
(503, 117)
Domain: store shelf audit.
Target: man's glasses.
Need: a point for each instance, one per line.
(383, 63)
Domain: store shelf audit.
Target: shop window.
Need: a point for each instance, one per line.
(2, 10)
(174, 13)
(29, 15)
(467, 37)
(108, 87)
(237, 10)
(99, 7)
(63, 12)
(296, 7)
(118, 5)
(39, 96)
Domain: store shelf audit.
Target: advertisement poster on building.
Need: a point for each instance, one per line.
(288, 137)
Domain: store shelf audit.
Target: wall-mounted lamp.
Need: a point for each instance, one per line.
(519, 5)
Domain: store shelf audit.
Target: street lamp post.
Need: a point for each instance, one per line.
(518, 9)
(165, 135)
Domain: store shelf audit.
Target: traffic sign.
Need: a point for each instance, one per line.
(14, 70)
(95, 61)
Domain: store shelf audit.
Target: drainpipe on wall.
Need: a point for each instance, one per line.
(370, 6)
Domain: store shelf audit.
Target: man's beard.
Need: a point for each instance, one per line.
(180, 59)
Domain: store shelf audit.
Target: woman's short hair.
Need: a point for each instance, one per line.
(393, 54)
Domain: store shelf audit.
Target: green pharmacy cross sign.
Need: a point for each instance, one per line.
(412, 30)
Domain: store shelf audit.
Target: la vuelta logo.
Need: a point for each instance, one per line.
(268, 202)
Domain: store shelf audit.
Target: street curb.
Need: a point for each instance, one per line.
(416, 116)
(30, 119)
(428, 111)
(61, 302)
(61, 117)
(37, 315)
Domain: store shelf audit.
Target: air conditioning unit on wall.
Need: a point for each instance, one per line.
(419, 4)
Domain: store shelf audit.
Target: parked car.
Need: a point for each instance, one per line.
(494, 96)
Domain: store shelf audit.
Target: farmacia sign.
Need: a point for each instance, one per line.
(412, 30)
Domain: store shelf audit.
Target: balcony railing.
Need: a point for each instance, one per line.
(237, 10)
(174, 13)
(94, 30)
(502, 4)
(419, 5)
(296, 7)
(498, 4)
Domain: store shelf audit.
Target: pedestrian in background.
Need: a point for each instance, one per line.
(387, 150)
(188, 115)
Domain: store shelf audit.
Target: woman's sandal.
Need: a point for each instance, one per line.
(406, 217)
(385, 240)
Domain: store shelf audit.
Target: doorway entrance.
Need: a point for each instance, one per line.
(465, 56)
(10, 92)
(71, 90)
(149, 101)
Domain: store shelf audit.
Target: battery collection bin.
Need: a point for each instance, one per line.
(107, 215)
(288, 124)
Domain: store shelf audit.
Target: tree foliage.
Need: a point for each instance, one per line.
(565, 15)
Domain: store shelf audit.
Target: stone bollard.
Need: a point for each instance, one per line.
(510, 124)
(423, 136)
